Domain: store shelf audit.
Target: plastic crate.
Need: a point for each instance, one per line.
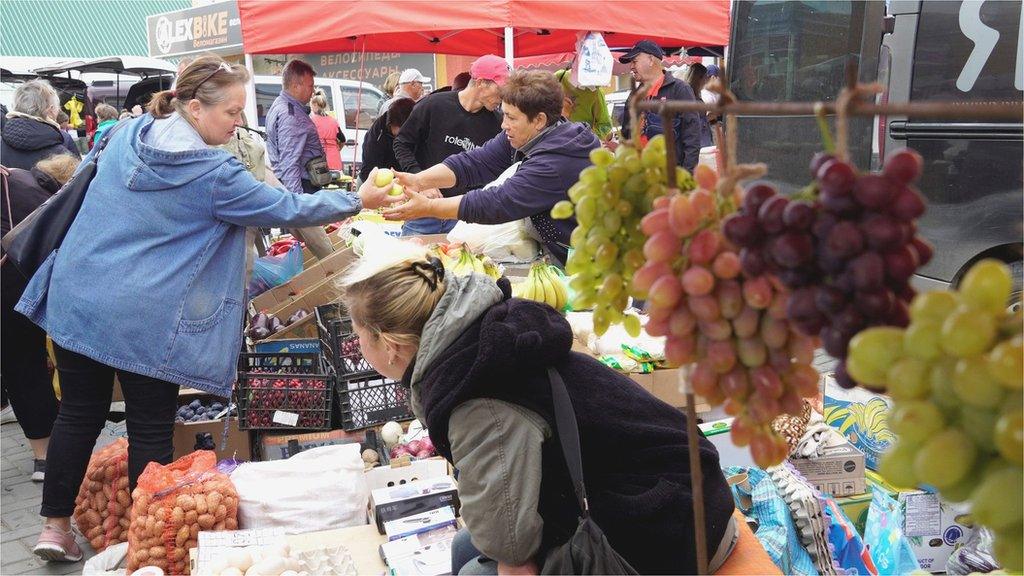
(339, 343)
(370, 399)
(283, 363)
(276, 401)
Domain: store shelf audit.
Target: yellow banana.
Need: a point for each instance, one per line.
(550, 297)
(562, 295)
(530, 290)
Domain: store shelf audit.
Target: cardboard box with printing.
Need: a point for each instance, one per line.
(839, 471)
(396, 502)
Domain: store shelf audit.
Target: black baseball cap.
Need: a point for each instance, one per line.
(642, 47)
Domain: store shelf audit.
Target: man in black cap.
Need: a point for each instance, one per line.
(654, 83)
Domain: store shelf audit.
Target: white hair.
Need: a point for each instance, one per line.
(37, 98)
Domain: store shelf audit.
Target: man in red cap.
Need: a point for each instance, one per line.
(448, 123)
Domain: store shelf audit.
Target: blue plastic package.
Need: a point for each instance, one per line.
(883, 535)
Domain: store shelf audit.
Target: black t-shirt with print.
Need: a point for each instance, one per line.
(439, 127)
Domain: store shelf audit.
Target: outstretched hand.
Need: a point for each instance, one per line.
(374, 196)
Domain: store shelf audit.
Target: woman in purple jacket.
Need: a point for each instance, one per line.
(553, 151)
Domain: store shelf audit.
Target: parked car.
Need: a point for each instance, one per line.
(919, 50)
(354, 105)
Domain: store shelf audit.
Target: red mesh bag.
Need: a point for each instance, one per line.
(104, 504)
(172, 504)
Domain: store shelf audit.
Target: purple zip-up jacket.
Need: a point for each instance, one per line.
(551, 164)
(291, 141)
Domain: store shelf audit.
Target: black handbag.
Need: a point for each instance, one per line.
(588, 550)
(31, 241)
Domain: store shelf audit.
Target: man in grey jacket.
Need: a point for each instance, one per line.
(292, 141)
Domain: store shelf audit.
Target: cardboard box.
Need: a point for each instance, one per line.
(403, 472)
(282, 446)
(933, 527)
(664, 385)
(311, 276)
(436, 519)
(839, 471)
(413, 498)
(236, 443)
(861, 416)
(288, 345)
(425, 554)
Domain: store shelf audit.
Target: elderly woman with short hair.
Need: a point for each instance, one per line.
(30, 132)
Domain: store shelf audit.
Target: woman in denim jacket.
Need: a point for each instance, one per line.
(148, 283)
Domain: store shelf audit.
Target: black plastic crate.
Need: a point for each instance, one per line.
(282, 363)
(339, 343)
(277, 401)
(370, 399)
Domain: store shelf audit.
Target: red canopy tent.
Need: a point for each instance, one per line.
(475, 27)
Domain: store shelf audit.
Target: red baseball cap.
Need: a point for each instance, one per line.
(490, 67)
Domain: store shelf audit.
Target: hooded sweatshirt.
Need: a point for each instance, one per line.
(479, 382)
(551, 163)
(26, 140)
(149, 279)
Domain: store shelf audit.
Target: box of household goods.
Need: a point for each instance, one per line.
(412, 498)
(862, 417)
(838, 471)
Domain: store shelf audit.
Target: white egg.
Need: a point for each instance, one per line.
(289, 573)
(231, 571)
(271, 566)
(219, 565)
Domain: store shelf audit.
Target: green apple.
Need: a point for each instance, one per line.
(396, 190)
(383, 178)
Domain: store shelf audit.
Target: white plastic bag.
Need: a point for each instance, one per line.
(110, 562)
(316, 489)
(504, 243)
(594, 61)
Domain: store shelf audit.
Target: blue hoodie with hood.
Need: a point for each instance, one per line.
(551, 163)
(150, 277)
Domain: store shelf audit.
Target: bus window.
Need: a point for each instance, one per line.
(787, 50)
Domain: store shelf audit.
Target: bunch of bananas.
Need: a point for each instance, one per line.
(461, 262)
(542, 284)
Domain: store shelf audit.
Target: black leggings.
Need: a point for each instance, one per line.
(86, 389)
(25, 376)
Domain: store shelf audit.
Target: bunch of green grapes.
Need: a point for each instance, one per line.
(608, 203)
(956, 377)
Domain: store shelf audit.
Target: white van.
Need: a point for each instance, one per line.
(351, 108)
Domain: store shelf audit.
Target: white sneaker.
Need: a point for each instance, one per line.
(7, 415)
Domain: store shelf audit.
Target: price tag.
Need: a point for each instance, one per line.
(286, 418)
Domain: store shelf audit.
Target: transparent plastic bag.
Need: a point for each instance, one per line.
(973, 555)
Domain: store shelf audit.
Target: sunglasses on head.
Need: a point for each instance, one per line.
(223, 66)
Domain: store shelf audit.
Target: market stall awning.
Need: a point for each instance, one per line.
(474, 27)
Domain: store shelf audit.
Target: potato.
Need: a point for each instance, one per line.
(123, 498)
(177, 515)
(186, 502)
(193, 531)
(97, 542)
(182, 536)
(213, 499)
(221, 512)
(157, 552)
(206, 521)
(93, 532)
(231, 524)
(191, 516)
(201, 506)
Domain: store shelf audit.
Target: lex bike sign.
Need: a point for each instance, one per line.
(211, 28)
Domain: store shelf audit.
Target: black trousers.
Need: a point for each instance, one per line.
(86, 389)
(23, 370)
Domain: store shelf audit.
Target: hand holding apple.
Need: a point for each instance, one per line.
(376, 191)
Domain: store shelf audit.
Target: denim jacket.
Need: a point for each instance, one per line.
(149, 278)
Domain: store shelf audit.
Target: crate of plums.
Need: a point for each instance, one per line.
(284, 391)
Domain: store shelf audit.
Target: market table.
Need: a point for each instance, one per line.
(363, 543)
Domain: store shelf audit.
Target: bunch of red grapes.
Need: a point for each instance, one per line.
(847, 253)
(733, 329)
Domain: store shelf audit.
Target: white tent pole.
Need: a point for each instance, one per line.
(509, 48)
(250, 96)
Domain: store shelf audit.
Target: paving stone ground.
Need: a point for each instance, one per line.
(19, 511)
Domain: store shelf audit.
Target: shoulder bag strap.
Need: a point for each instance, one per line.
(7, 196)
(569, 436)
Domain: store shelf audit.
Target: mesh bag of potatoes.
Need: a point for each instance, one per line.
(104, 504)
(172, 504)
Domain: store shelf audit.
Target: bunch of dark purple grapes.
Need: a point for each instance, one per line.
(847, 251)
